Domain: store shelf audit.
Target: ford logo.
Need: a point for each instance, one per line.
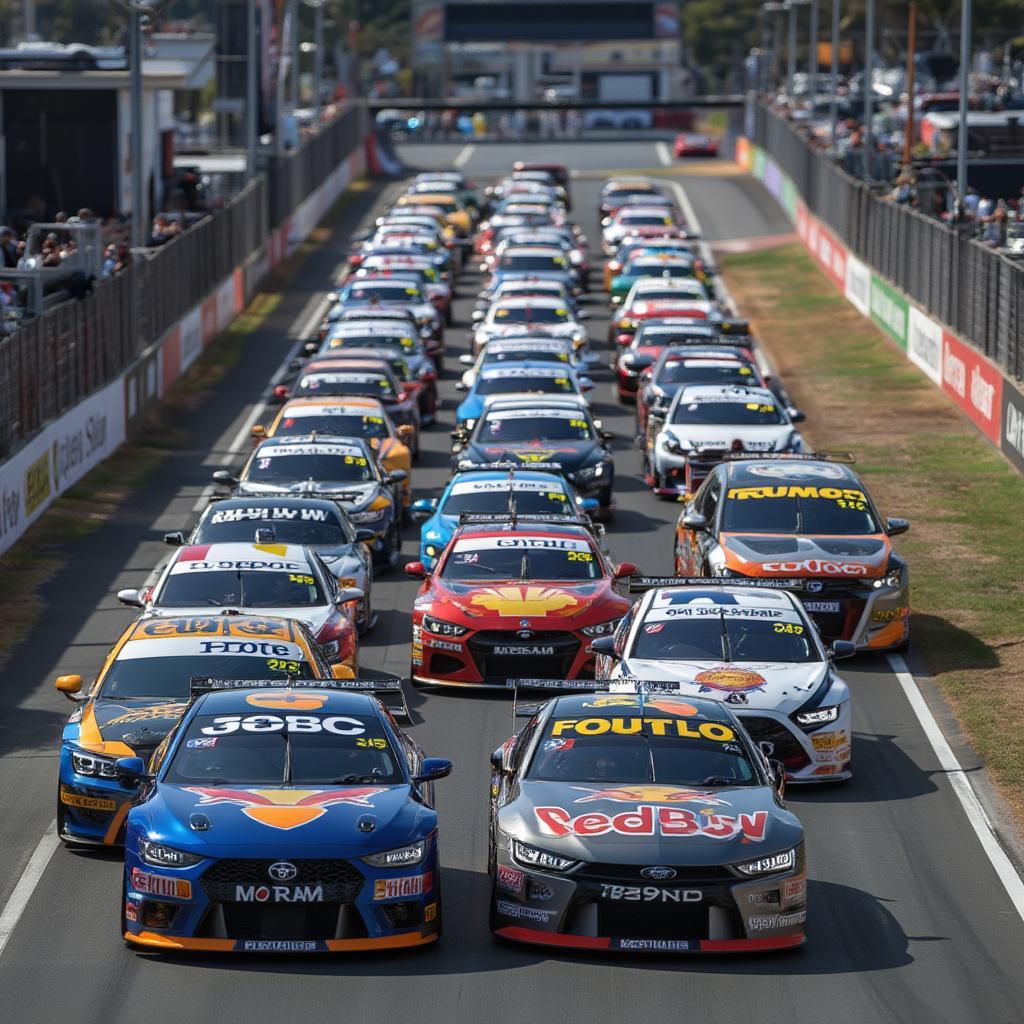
(282, 871)
(659, 874)
(815, 587)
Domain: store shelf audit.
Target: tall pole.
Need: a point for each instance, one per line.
(251, 92)
(28, 16)
(294, 96)
(833, 103)
(791, 63)
(961, 134)
(318, 64)
(139, 217)
(812, 54)
(908, 133)
(869, 87)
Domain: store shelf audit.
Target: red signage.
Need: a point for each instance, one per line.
(973, 384)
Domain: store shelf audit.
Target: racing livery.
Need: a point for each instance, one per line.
(283, 819)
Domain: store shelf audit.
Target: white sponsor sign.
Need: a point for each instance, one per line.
(190, 646)
(522, 543)
(858, 284)
(484, 486)
(924, 344)
(274, 451)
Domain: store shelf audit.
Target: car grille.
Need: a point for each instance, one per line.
(839, 625)
(496, 668)
(787, 748)
(630, 873)
(256, 921)
(653, 921)
(340, 880)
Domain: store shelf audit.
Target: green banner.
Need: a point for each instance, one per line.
(889, 310)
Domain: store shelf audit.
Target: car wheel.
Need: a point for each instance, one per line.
(394, 547)
(365, 615)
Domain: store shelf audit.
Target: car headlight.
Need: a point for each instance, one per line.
(534, 857)
(672, 444)
(373, 515)
(590, 472)
(331, 649)
(625, 324)
(601, 628)
(399, 857)
(442, 628)
(166, 856)
(93, 764)
(768, 865)
(893, 578)
(819, 716)
(424, 321)
(432, 550)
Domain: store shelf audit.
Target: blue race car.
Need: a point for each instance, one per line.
(531, 376)
(291, 818)
(489, 489)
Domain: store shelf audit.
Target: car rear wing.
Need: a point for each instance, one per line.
(465, 466)
(388, 690)
(640, 584)
(844, 457)
(513, 517)
(528, 708)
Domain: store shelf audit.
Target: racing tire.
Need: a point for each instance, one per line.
(366, 617)
(124, 924)
(394, 548)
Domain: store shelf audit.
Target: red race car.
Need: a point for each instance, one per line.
(695, 144)
(514, 599)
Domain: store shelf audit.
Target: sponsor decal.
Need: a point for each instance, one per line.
(407, 885)
(649, 894)
(771, 921)
(634, 726)
(88, 803)
(540, 893)
(430, 911)
(160, 885)
(37, 483)
(444, 645)
(924, 344)
(973, 384)
(524, 649)
(201, 743)
(529, 601)
(794, 890)
(282, 871)
(889, 310)
(279, 893)
(241, 515)
(131, 911)
(339, 725)
(829, 740)
(838, 494)
(858, 285)
(821, 607)
(288, 700)
(761, 898)
(510, 879)
(130, 717)
(668, 705)
(218, 626)
(280, 946)
(1012, 438)
(730, 680)
(796, 471)
(818, 567)
(653, 795)
(657, 945)
(648, 820)
(559, 744)
(510, 909)
(286, 808)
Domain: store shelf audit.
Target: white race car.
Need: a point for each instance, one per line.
(748, 644)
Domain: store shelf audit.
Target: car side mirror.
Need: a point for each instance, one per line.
(896, 526)
(432, 769)
(258, 431)
(132, 598)
(311, 347)
(396, 476)
(589, 505)
(624, 569)
(586, 384)
(466, 359)
(416, 570)
(423, 508)
(461, 385)
(778, 770)
(695, 521)
(604, 645)
(224, 478)
(616, 300)
(477, 315)
(175, 539)
(842, 649)
(281, 392)
(130, 769)
(459, 435)
(607, 435)
(498, 760)
(70, 686)
(340, 671)
(406, 432)
(583, 314)
(795, 415)
(345, 595)
(364, 535)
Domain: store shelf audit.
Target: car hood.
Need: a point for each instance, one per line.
(774, 686)
(639, 820)
(765, 554)
(570, 455)
(756, 439)
(282, 819)
(140, 723)
(508, 601)
(356, 495)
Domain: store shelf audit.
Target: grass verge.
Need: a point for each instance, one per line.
(921, 459)
(40, 553)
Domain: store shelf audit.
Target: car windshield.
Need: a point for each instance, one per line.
(290, 525)
(722, 410)
(531, 497)
(723, 633)
(365, 291)
(143, 676)
(505, 384)
(645, 219)
(667, 743)
(698, 371)
(517, 355)
(535, 425)
(370, 385)
(646, 268)
(518, 557)
(394, 344)
(623, 194)
(797, 508)
(225, 585)
(347, 424)
(668, 295)
(512, 261)
(531, 315)
(300, 748)
(288, 464)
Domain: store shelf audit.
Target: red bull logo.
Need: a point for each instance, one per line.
(645, 820)
(651, 795)
(285, 808)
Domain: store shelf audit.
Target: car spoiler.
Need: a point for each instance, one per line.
(388, 690)
(845, 457)
(627, 684)
(465, 466)
(639, 584)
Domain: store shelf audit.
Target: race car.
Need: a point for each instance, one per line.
(544, 428)
(617, 192)
(806, 516)
(653, 265)
(258, 578)
(516, 286)
(695, 144)
(455, 212)
(421, 268)
(319, 523)
(343, 468)
(657, 298)
(363, 418)
(656, 221)
(283, 819)
(375, 293)
(752, 644)
(530, 316)
(526, 377)
(633, 246)
(642, 822)
(142, 690)
(537, 349)
(511, 597)
(653, 337)
(490, 489)
(709, 418)
(542, 260)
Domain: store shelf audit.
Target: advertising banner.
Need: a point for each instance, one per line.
(924, 344)
(1012, 438)
(889, 310)
(973, 384)
(858, 285)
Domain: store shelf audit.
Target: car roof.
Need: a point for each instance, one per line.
(737, 391)
(768, 472)
(241, 551)
(159, 627)
(583, 705)
(503, 403)
(565, 530)
(536, 368)
(348, 702)
(752, 597)
(285, 440)
(529, 301)
(270, 500)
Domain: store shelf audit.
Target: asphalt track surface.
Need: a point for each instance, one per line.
(907, 919)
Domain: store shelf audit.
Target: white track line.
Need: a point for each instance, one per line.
(961, 785)
(661, 148)
(34, 869)
(463, 155)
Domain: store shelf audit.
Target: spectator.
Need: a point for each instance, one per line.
(9, 247)
(971, 202)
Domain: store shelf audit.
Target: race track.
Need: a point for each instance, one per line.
(907, 922)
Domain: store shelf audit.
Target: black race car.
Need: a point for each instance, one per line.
(543, 428)
(643, 821)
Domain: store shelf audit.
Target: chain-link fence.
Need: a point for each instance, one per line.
(53, 361)
(970, 287)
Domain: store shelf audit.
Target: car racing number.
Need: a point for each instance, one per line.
(787, 627)
(339, 725)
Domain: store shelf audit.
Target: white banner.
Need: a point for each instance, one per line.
(924, 344)
(858, 284)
